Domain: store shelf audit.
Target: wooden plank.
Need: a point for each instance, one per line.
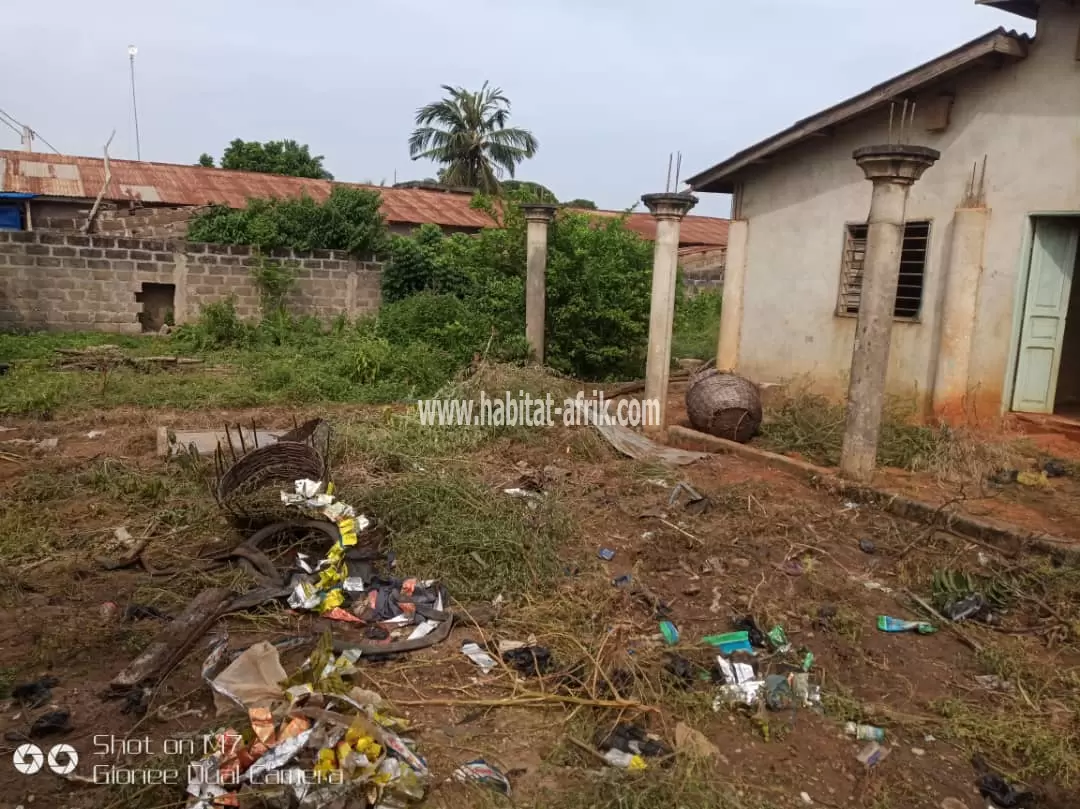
(173, 642)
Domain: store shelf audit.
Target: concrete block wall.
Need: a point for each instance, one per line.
(53, 280)
(139, 223)
(703, 269)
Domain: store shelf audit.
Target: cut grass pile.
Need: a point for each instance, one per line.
(813, 427)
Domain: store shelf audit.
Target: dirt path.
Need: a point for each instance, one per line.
(768, 546)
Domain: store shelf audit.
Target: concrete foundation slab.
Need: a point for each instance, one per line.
(173, 442)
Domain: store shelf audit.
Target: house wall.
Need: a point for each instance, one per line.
(1023, 117)
(62, 281)
(703, 269)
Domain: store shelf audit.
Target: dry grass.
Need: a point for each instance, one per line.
(813, 427)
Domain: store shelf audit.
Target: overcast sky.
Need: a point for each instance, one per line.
(609, 87)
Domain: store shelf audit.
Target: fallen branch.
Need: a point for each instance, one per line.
(950, 625)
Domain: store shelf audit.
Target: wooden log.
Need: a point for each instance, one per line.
(173, 642)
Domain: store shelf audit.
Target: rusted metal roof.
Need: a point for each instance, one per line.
(694, 230)
(990, 47)
(68, 176)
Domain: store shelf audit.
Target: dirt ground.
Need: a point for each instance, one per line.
(768, 545)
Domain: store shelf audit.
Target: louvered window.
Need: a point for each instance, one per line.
(909, 289)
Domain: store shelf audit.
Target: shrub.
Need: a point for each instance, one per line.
(218, 326)
(697, 326)
(348, 220)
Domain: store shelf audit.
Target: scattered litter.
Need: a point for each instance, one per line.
(635, 444)
(735, 672)
(1033, 479)
(628, 745)
(872, 754)
(36, 693)
(343, 586)
(876, 585)
(472, 650)
(318, 739)
(693, 742)
(624, 761)
(867, 546)
(139, 612)
(1003, 477)
(918, 751)
(850, 505)
(622, 581)
(992, 682)
(95, 434)
(730, 642)
(971, 607)
(681, 669)
(808, 661)
(532, 661)
(741, 694)
(754, 634)
(524, 494)
(670, 632)
(50, 723)
(695, 502)
(1055, 469)
(607, 554)
(865, 733)
(887, 624)
(480, 772)
(805, 797)
(778, 693)
(252, 680)
(996, 789)
(778, 639)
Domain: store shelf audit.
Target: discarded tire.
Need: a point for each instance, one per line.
(723, 404)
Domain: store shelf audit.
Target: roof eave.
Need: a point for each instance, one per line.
(721, 178)
(1025, 8)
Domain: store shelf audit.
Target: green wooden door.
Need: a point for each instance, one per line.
(1053, 255)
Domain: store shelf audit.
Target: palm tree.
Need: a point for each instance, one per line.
(466, 132)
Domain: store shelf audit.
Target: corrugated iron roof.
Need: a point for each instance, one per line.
(172, 184)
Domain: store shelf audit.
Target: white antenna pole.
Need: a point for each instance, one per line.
(132, 51)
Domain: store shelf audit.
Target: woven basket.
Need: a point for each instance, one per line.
(723, 404)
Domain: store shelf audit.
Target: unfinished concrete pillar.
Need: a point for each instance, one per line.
(669, 209)
(538, 216)
(727, 350)
(893, 169)
(963, 273)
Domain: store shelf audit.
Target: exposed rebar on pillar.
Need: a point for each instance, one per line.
(537, 216)
(893, 169)
(669, 209)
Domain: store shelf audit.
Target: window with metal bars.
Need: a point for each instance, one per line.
(909, 288)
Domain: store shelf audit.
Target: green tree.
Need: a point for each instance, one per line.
(206, 160)
(527, 191)
(467, 134)
(584, 204)
(274, 157)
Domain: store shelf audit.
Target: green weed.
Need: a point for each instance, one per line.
(478, 541)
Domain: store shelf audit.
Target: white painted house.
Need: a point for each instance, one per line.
(985, 322)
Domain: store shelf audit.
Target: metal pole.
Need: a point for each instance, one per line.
(132, 50)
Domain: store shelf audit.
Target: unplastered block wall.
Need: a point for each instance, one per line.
(68, 281)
